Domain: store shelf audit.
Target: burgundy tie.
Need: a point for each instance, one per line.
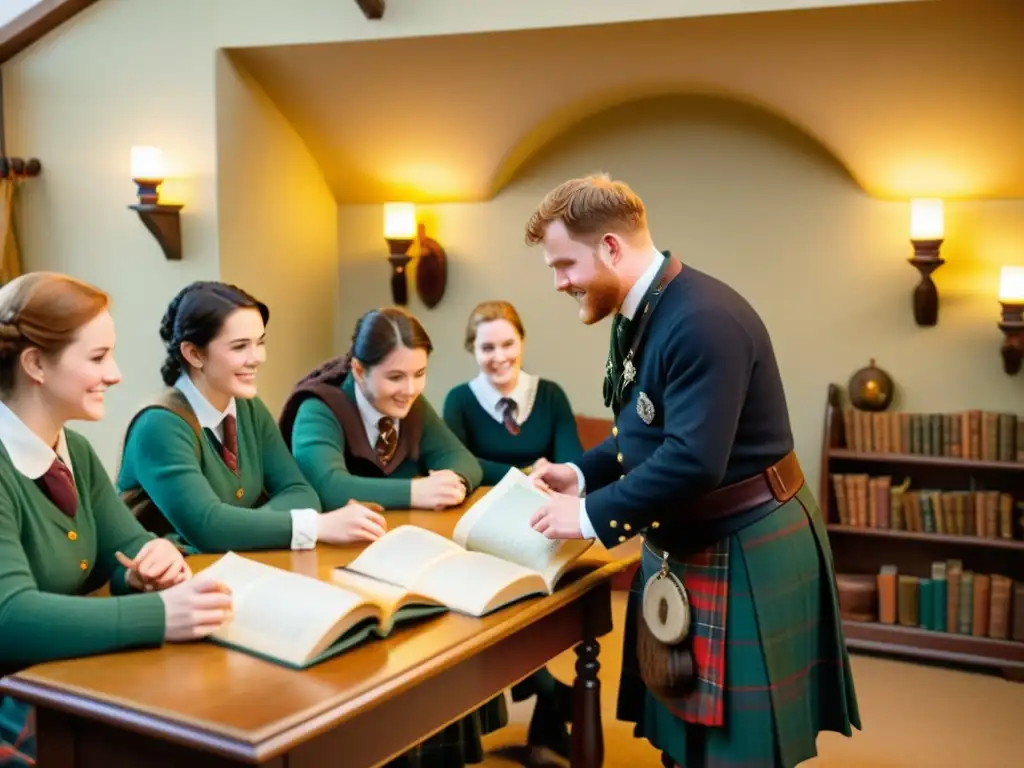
(229, 446)
(387, 440)
(59, 485)
(508, 415)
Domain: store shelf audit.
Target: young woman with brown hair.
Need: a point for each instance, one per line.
(63, 530)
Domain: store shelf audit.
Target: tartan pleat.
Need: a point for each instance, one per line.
(459, 743)
(17, 734)
(787, 674)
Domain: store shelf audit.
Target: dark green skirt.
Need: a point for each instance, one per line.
(457, 744)
(787, 672)
(17, 734)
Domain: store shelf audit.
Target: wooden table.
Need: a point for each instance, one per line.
(201, 704)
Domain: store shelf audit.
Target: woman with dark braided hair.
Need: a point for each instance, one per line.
(209, 457)
(359, 426)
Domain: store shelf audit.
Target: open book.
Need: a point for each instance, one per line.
(494, 557)
(299, 621)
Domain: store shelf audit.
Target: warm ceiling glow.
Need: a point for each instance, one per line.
(926, 219)
(147, 163)
(399, 221)
(1011, 285)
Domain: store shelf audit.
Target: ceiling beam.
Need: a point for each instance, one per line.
(372, 9)
(39, 20)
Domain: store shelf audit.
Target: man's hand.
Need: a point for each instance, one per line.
(560, 517)
(559, 478)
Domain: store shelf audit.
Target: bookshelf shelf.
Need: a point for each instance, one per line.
(928, 461)
(938, 646)
(928, 515)
(930, 538)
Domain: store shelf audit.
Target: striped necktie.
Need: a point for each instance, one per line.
(387, 440)
(229, 446)
(508, 414)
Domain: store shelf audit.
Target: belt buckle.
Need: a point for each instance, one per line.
(776, 483)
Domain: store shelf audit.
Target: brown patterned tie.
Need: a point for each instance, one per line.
(508, 414)
(387, 441)
(229, 447)
(59, 485)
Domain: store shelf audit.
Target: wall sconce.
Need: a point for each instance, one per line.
(400, 231)
(1011, 297)
(926, 232)
(161, 219)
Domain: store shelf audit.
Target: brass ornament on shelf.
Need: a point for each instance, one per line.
(871, 388)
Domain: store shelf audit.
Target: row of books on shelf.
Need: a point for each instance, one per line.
(953, 600)
(975, 435)
(866, 501)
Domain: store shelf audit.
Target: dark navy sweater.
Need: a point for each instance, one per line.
(707, 366)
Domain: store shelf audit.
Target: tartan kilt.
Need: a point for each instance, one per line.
(786, 670)
(17, 734)
(459, 743)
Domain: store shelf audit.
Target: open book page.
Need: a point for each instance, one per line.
(396, 603)
(403, 555)
(428, 564)
(284, 615)
(499, 525)
(476, 584)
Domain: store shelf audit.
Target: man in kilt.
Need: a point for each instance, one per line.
(700, 463)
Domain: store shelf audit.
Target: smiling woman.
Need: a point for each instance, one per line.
(63, 531)
(209, 457)
(360, 428)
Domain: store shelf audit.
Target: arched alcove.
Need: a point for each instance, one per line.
(686, 104)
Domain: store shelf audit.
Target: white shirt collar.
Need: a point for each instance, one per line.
(488, 396)
(29, 454)
(371, 416)
(208, 416)
(636, 293)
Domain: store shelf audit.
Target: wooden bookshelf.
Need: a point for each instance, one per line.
(1007, 655)
(860, 549)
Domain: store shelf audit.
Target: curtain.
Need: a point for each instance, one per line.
(10, 259)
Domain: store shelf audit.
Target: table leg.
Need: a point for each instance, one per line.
(587, 737)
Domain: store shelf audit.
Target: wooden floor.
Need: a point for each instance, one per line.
(915, 716)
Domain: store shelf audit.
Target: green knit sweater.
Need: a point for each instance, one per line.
(211, 507)
(549, 431)
(48, 561)
(325, 454)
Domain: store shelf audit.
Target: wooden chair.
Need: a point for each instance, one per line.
(592, 432)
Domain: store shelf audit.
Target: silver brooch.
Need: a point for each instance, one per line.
(645, 408)
(628, 372)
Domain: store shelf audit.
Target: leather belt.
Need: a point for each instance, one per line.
(780, 482)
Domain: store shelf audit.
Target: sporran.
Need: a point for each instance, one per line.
(663, 652)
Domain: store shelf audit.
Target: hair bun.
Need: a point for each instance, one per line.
(11, 339)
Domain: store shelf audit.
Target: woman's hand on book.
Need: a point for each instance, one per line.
(557, 478)
(194, 609)
(354, 522)
(441, 488)
(158, 565)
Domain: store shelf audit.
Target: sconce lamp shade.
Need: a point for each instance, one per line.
(926, 220)
(926, 233)
(147, 163)
(1011, 321)
(399, 221)
(1011, 285)
(401, 230)
(162, 220)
